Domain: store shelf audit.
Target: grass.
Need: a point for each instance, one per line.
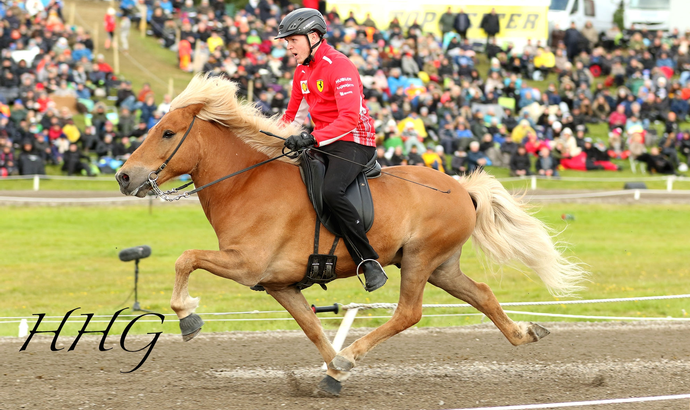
(54, 260)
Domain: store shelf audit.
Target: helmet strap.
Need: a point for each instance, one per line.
(310, 57)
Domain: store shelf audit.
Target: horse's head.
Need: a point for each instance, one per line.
(160, 143)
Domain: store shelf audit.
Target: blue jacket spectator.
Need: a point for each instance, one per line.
(80, 51)
(397, 80)
(680, 107)
(665, 61)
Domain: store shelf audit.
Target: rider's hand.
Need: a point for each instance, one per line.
(300, 141)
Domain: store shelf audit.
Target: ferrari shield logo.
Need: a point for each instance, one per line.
(303, 85)
(319, 85)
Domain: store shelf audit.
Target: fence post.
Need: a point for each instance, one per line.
(669, 183)
(36, 182)
(637, 194)
(534, 182)
(341, 334)
(23, 328)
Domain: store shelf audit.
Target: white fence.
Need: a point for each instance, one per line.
(533, 179)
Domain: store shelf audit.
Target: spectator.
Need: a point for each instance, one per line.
(520, 163)
(72, 161)
(8, 165)
(458, 163)
(125, 26)
(432, 159)
(381, 157)
(109, 24)
(590, 34)
(545, 164)
(30, 162)
(572, 41)
(476, 158)
(684, 146)
(491, 25)
(413, 157)
(462, 23)
(657, 162)
(446, 22)
(618, 118)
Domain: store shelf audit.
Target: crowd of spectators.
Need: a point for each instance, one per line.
(438, 101)
(49, 74)
(431, 100)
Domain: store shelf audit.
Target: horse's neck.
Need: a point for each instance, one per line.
(224, 154)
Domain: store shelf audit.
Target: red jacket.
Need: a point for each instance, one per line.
(330, 89)
(109, 22)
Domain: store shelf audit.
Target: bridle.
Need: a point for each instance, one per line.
(165, 195)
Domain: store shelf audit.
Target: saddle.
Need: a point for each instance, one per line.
(313, 169)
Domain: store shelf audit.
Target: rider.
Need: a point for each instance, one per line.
(327, 85)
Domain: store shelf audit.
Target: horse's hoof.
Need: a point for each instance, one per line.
(538, 331)
(190, 326)
(330, 385)
(341, 364)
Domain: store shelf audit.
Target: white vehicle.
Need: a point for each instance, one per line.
(599, 12)
(680, 10)
(650, 14)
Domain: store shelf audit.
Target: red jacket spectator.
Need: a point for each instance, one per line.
(618, 118)
(533, 145)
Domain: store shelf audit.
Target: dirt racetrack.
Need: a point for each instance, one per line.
(428, 368)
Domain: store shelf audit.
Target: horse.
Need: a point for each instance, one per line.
(264, 222)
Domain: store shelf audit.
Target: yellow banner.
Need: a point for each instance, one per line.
(516, 21)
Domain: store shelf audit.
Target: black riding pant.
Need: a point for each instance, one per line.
(339, 175)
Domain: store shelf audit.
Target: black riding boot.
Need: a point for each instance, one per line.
(374, 275)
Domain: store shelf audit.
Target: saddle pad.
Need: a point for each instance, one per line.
(313, 170)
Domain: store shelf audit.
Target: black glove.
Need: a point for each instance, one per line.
(300, 141)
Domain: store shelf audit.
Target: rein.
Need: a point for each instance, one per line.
(165, 195)
(357, 163)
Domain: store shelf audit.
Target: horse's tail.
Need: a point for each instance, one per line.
(506, 233)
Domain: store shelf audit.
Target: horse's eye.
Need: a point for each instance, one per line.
(168, 134)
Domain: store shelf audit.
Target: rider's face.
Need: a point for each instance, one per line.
(298, 46)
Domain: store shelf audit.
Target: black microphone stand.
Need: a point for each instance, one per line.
(137, 307)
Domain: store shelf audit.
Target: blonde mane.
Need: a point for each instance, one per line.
(220, 105)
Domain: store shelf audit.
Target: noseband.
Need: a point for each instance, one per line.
(153, 175)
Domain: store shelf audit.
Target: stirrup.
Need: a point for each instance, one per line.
(369, 260)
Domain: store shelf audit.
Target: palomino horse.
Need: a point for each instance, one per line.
(265, 222)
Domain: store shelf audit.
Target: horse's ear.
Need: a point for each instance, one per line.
(194, 109)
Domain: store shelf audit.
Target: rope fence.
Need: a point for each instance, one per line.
(353, 308)
(636, 195)
(670, 180)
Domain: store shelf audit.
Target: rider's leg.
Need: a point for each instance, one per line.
(339, 175)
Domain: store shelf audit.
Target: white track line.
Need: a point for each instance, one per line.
(582, 403)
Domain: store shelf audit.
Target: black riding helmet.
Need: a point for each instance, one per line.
(303, 21)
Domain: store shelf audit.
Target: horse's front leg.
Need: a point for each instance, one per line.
(294, 302)
(226, 264)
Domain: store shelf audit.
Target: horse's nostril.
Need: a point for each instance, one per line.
(125, 177)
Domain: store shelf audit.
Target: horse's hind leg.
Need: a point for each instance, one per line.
(450, 278)
(294, 302)
(409, 312)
